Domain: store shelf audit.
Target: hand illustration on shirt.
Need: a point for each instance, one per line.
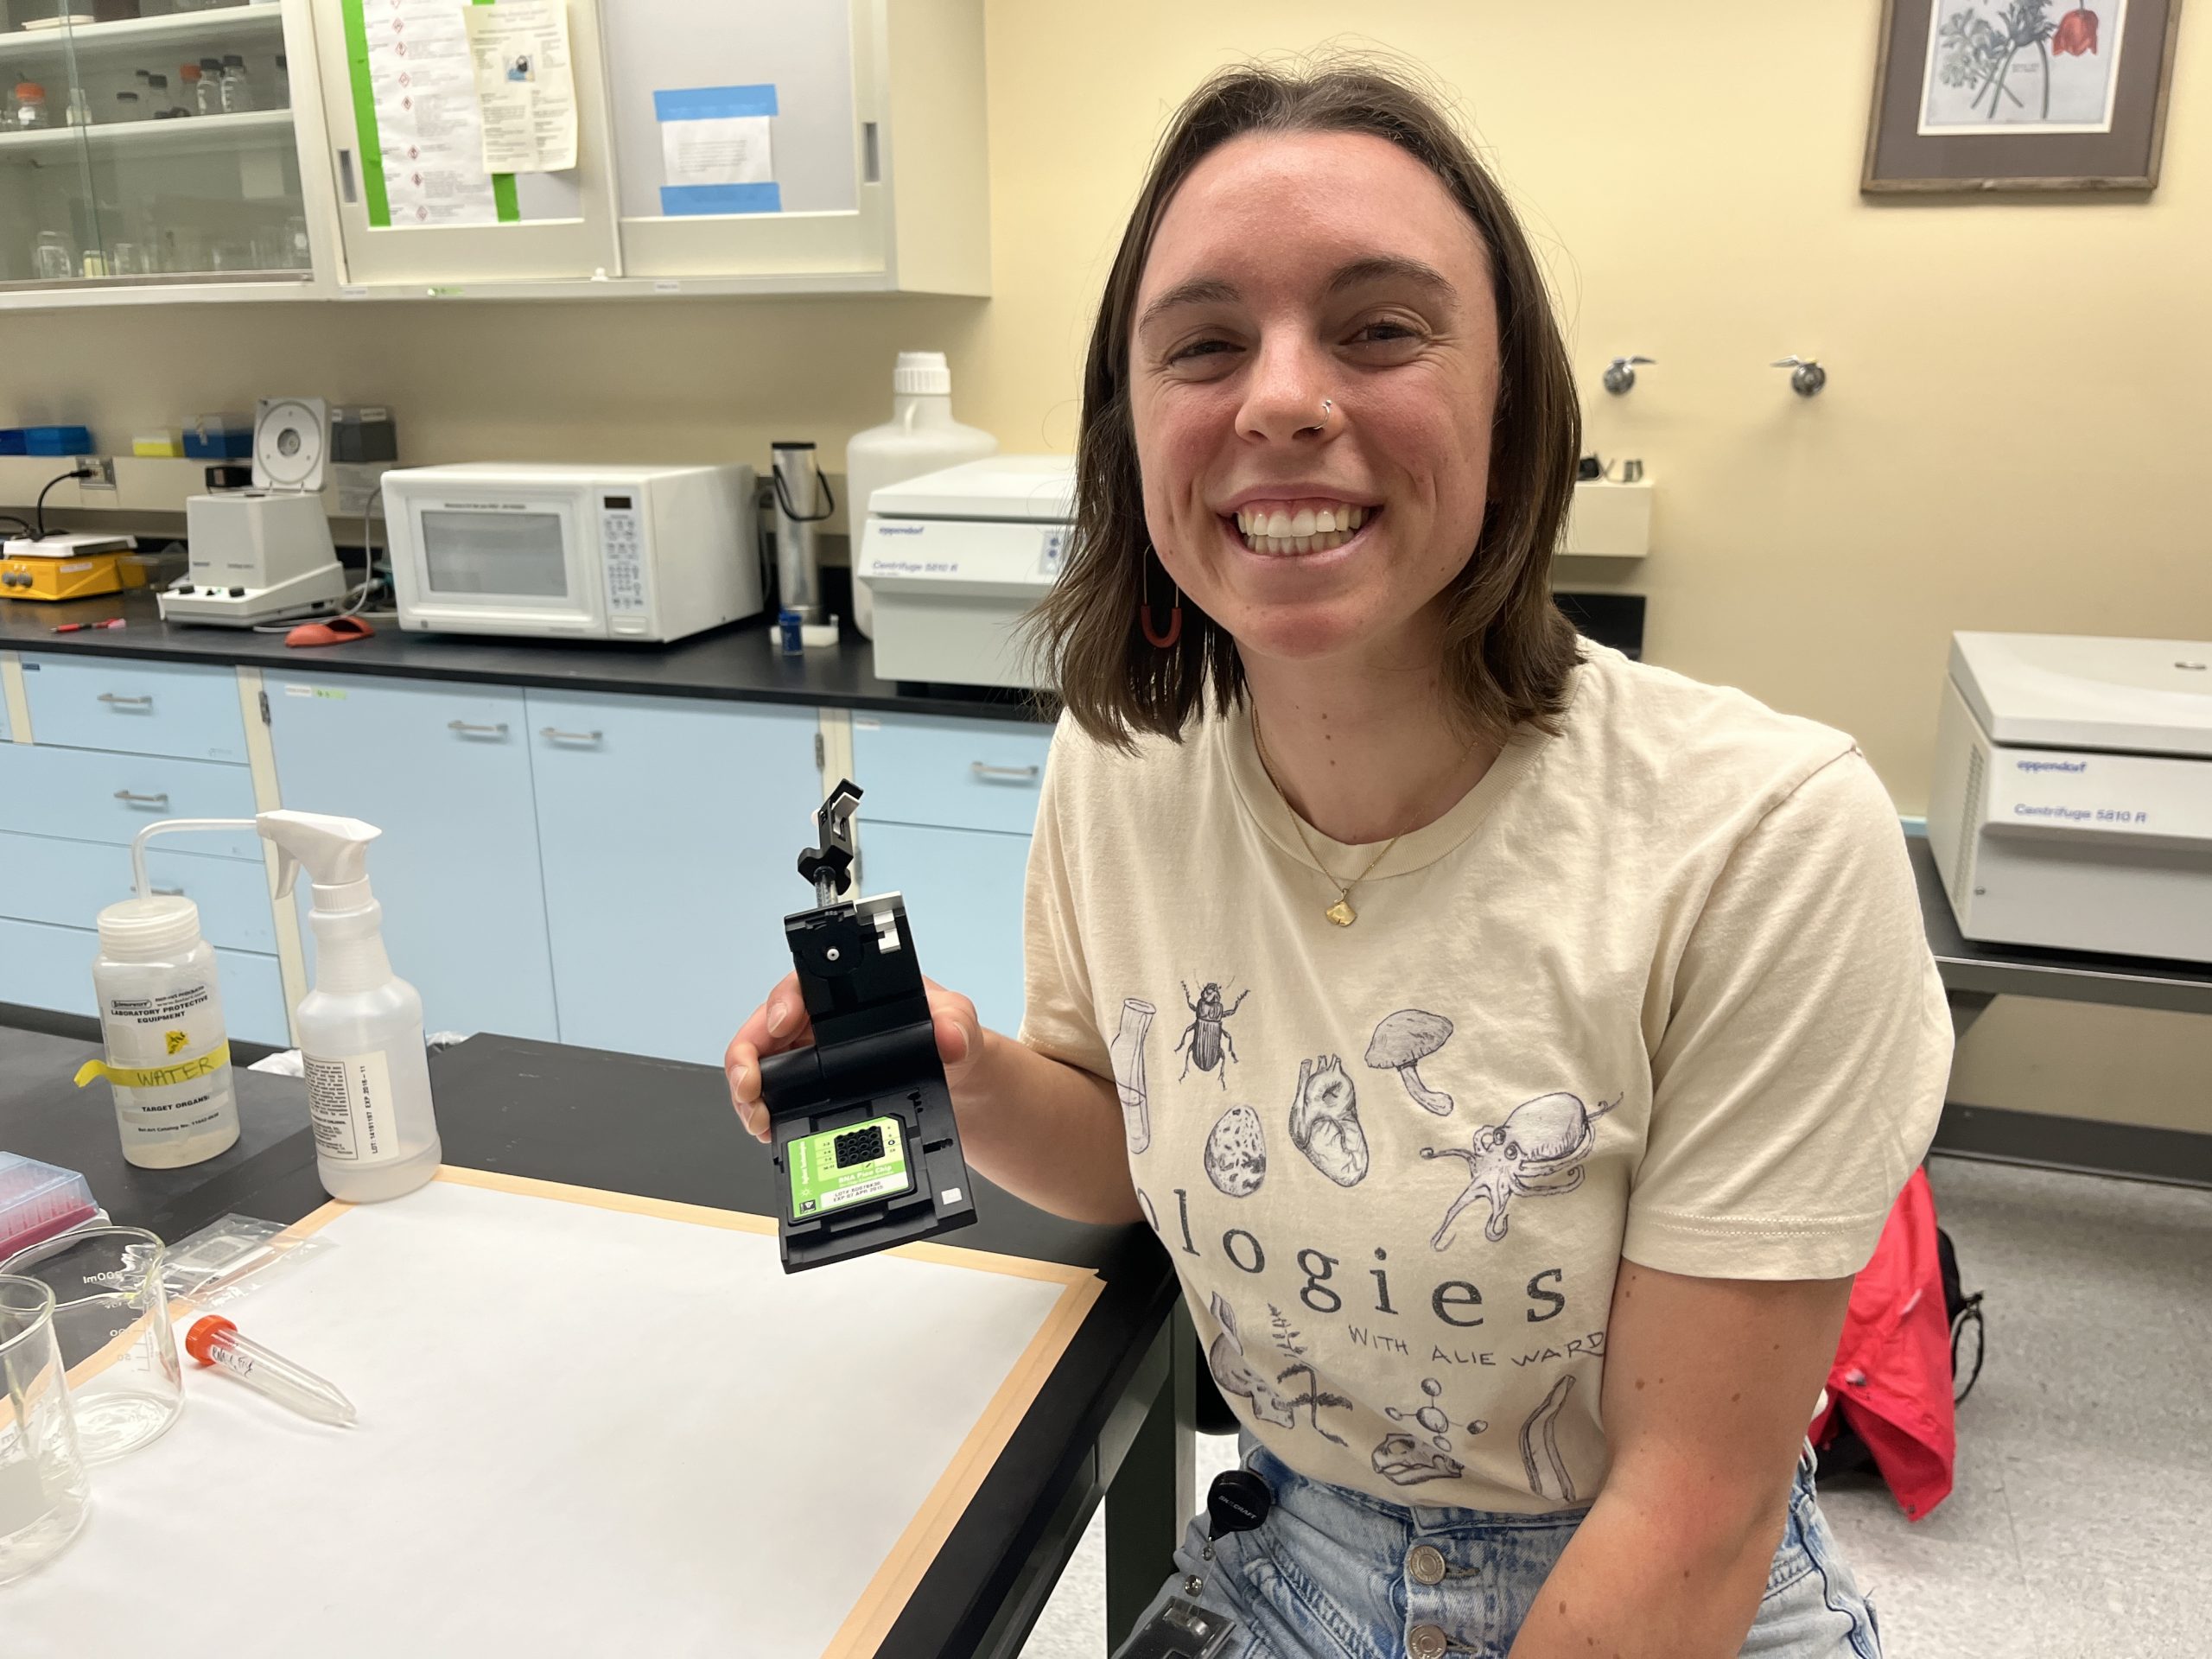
(1538, 1152)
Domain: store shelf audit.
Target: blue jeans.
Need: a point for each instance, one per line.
(1334, 1573)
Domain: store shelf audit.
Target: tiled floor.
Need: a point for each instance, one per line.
(2076, 1530)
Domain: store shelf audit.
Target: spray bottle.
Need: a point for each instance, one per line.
(361, 1028)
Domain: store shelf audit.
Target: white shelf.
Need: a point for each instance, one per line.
(100, 40)
(186, 136)
(143, 485)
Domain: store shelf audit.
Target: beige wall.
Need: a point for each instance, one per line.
(2014, 434)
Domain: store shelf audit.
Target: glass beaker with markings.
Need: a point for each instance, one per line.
(111, 1319)
(44, 1493)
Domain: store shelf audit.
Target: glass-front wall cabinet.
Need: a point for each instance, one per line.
(148, 141)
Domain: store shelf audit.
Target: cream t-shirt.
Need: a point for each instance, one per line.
(1656, 989)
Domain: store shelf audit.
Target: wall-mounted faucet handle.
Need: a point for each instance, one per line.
(1806, 376)
(1620, 373)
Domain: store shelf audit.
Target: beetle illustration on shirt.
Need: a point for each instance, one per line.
(1207, 1033)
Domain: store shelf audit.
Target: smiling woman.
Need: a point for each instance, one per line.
(1554, 1032)
(1344, 203)
(1575, 1282)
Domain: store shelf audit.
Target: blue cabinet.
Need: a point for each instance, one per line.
(444, 771)
(962, 889)
(129, 705)
(668, 829)
(68, 883)
(946, 811)
(88, 795)
(47, 966)
(954, 773)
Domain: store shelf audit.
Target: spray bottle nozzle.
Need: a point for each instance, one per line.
(334, 849)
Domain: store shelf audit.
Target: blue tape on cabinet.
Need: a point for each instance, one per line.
(713, 103)
(681, 201)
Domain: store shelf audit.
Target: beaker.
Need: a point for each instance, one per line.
(44, 1493)
(111, 1318)
(53, 259)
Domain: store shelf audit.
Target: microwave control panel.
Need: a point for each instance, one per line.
(620, 556)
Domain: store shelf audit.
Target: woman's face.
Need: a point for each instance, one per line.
(1287, 270)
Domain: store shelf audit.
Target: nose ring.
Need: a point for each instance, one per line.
(1328, 407)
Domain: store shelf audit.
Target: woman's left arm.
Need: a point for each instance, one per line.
(1710, 1385)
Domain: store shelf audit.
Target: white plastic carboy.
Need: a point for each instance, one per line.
(921, 436)
(361, 1028)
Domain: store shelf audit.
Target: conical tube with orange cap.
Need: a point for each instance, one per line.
(215, 1341)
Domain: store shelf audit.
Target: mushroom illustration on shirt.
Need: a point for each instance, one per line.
(1402, 1042)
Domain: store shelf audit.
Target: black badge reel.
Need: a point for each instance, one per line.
(868, 1154)
(1237, 1502)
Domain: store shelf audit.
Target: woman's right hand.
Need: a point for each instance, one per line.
(781, 1023)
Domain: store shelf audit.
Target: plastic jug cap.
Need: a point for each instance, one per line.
(925, 372)
(147, 930)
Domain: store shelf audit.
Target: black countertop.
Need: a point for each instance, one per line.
(626, 1124)
(738, 662)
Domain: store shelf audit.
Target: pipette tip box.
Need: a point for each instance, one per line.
(40, 1201)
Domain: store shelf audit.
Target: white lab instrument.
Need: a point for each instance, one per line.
(265, 554)
(361, 1028)
(649, 553)
(921, 436)
(956, 558)
(2072, 802)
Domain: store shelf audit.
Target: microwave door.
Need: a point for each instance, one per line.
(516, 564)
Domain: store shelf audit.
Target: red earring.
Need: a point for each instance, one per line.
(1160, 641)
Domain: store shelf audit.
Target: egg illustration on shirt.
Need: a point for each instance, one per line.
(1237, 1153)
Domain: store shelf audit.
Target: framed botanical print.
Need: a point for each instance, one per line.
(1978, 95)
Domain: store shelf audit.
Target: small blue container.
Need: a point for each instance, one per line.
(12, 442)
(206, 441)
(788, 624)
(57, 441)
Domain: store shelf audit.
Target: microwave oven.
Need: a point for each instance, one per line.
(647, 553)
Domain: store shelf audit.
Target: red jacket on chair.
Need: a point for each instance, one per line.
(1891, 1380)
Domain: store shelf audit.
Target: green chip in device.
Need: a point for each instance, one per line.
(854, 1165)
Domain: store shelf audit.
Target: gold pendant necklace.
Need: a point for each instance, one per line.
(1341, 913)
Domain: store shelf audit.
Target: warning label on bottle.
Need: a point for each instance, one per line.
(349, 1106)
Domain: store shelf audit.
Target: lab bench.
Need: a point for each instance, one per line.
(1110, 1427)
(591, 844)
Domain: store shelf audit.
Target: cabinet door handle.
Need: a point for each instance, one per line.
(568, 737)
(498, 729)
(170, 893)
(1013, 774)
(124, 795)
(115, 701)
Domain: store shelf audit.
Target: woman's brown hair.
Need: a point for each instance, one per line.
(1508, 649)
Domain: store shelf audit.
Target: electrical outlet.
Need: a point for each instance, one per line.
(103, 471)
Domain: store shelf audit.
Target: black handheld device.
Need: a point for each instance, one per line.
(868, 1154)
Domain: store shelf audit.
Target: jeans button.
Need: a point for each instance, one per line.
(1425, 1565)
(1426, 1642)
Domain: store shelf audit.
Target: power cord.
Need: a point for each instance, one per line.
(79, 471)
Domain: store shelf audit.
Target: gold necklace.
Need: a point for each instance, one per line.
(1341, 913)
